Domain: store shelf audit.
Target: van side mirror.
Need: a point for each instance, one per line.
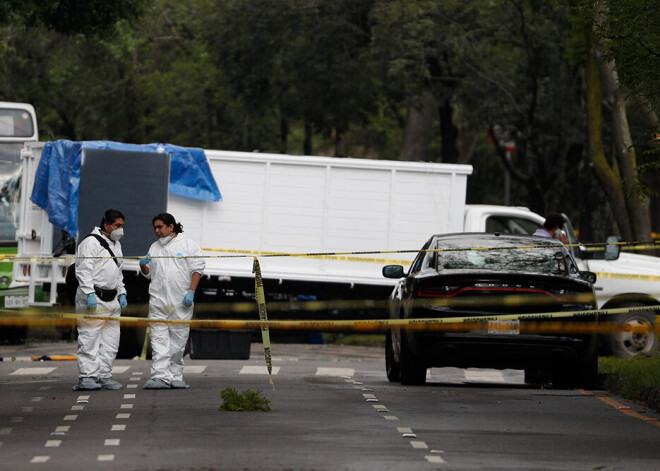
(588, 276)
(393, 271)
(612, 251)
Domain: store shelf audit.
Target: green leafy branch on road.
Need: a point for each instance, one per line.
(245, 401)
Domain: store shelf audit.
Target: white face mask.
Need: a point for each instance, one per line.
(117, 234)
(165, 240)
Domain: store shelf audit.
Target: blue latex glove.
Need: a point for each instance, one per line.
(122, 301)
(188, 298)
(145, 261)
(91, 302)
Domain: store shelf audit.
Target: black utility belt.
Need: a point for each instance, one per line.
(105, 295)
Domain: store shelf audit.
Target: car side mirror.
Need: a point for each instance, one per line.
(588, 276)
(393, 271)
(612, 249)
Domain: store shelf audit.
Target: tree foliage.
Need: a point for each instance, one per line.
(420, 80)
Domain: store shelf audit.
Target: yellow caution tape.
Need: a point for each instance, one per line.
(263, 317)
(627, 276)
(8, 317)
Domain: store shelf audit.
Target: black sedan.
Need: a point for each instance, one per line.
(481, 276)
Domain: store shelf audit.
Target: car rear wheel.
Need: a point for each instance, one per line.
(583, 375)
(392, 367)
(412, 369)
(627, 344)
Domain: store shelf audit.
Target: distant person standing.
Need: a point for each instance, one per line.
(552, 228)
(175, 266)
(100, 291)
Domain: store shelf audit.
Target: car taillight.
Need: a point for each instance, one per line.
(437, 291)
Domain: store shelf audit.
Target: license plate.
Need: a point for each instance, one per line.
(16, 301)
(504, 327)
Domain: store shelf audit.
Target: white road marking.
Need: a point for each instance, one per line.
(53, 443)
(488, 376)
(5, 430)
(404, 429)
(112, 442)
(434, 459)
(192, 369)
(123, 416)
(70, 417)
(21, 358)
(106, 458)
(258, 370)
(120, 369)
(39, 459)
(77, 407)
(379, 406)
(44, 388)
(118, 428)
(390, 417)
(369, 396)
(138, 373)
(134, 378)
(341, 372)
(131, 386)
(126, 406)
(129, 396)
(418, 444)
(32, 371)
(63, 428)
(16, 419)
(36, 399)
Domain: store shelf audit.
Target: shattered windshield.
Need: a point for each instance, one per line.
(503, 255)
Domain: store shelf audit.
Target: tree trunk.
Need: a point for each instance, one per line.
(448, 134)
(606, 176)
(637, 204)
(307, 143)
(340, 143)
(419, 125)
(284, 135)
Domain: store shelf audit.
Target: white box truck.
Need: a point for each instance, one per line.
(303, 204)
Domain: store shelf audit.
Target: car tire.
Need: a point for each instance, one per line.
(412, 370)
(628, 344)
(583, 375)
(392, 367)
(536, 377)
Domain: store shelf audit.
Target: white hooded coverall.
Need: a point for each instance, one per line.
(98, 341)
(170, 281)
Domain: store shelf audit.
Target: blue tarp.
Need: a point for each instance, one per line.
(57, 181)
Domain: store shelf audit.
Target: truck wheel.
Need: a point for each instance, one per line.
(627, 344)
(412, 370)
(392, 367)
(131, 343)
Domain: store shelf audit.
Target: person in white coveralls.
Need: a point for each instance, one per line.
(100, 291)
(174, 266)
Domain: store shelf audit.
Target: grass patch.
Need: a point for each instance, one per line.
(629, 377)
(354, 339)
(245, 401)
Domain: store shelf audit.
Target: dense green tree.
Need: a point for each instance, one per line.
(69, 17)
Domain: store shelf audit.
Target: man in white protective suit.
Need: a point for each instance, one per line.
(174, 265)
(101, 291)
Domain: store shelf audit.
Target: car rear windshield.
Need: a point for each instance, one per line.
(502, 255)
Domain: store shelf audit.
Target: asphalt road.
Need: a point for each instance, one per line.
(333, 410)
